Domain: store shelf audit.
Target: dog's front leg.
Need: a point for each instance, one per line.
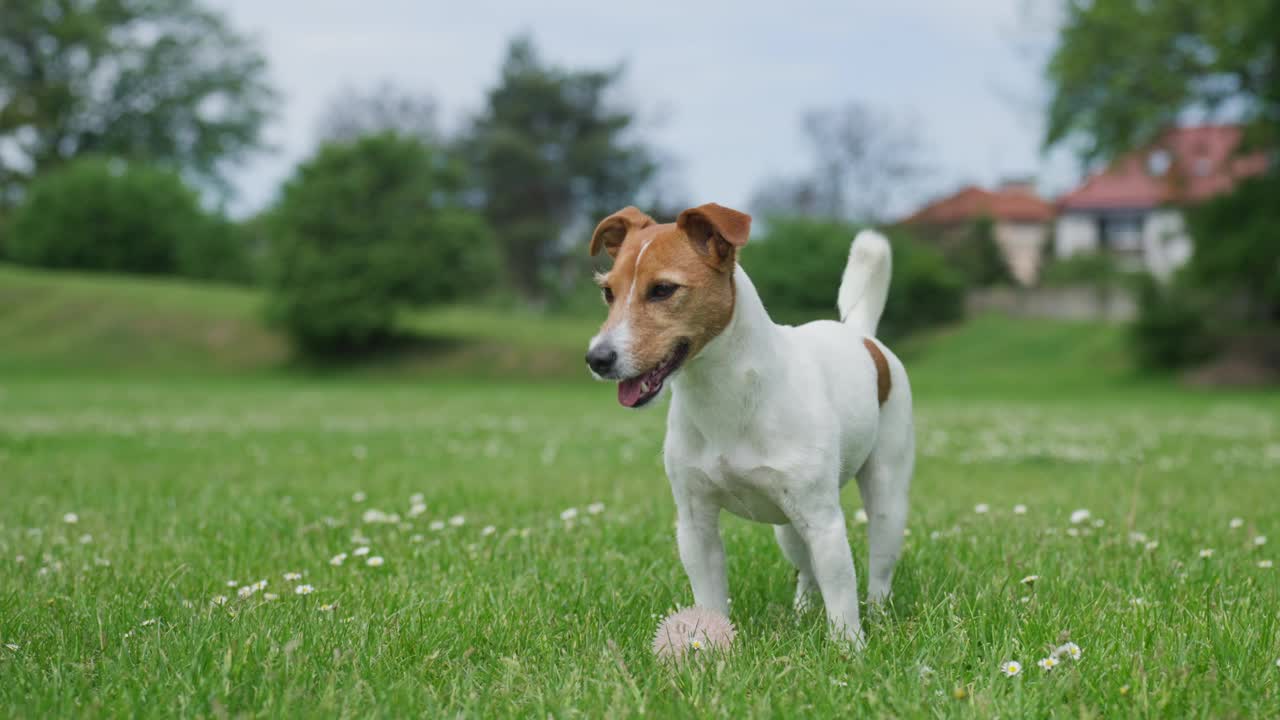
(702, 552)
(823, 530)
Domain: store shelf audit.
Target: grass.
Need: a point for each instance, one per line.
(183, 477)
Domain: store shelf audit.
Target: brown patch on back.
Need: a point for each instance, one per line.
(884, 382)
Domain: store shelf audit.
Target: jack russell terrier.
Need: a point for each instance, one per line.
(766, 421)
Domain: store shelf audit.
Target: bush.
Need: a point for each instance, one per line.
(107, 214)
(797, 264)
(1171, 331)
(365, 228)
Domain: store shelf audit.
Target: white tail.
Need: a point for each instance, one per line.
(865, 284)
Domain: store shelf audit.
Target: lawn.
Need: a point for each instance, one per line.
(134, 492)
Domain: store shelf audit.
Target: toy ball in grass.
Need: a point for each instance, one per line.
(690, 632)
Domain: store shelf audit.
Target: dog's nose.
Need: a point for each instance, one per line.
(601, 359)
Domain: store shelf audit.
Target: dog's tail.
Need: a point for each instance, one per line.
(865, 284)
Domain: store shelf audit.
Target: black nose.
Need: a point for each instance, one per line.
(601, 359)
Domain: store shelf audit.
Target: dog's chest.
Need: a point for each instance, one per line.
(739, 478)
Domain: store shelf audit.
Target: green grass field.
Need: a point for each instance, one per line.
(189, 462)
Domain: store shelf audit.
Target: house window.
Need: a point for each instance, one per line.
(1122, 235)
(1159, 162)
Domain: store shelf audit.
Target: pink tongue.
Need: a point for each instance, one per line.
(629, 392)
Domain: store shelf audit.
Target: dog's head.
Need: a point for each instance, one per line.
(669, 292)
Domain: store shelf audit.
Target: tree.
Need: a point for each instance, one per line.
(550, 151)
(366, 228)
(355, 112)
(166, 81)
(863, 158)
(1125, 70)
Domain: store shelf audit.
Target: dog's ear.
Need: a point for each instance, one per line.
(716, 232)
(613, 230)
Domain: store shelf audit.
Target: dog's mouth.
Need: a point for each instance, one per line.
(636, 391)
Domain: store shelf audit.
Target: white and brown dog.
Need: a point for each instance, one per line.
(767, 421)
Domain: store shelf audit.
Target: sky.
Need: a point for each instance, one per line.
(718, 86)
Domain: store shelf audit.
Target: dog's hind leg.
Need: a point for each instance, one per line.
(797, 552)
(884, 482)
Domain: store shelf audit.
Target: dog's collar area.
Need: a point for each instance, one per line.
(635, 392)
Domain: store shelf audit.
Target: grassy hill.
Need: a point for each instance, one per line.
(59, 321)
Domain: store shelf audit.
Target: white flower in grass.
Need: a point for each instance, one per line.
(359, 496)
(860, 516)
(12, 646)
(1236, 523)
(1206, 553)
(416, 538)
(338, 559)
(328, 607)
(304, 590)
(595, 508)
(1151, 545)
(149, 622)
(488, 530)
(1099, 523)
(220, 600)
(1137, 537)
(361, 551)
(1138, 602)
(1019, 509)
(270, 596)
(20, 559)
(261, 585)
(246, 591)
(293, 576)
(1260, 540)
(233, 583)
(1010, 668)
(417, 498)
(1070, 650)
(87, 538)
(569, 514)
(1073, 532)
(436, 525)
(417, 509)
(1265, 564)
(1080, 516)
(1030, 579)
(1278, 662)
(1048, 663)
(457, 521)
(982, 508)
(375, 561)
(70, 518)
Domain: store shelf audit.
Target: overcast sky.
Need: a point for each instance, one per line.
(719, 88)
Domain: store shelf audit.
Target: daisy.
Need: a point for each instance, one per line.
(1080, 516)
(1236, 523)
(293, 576)
(457, 521)
(417, 499)
(1048, 663)
(1137, 537)
(361, 551)
(328, 607)
(1030, 579)
(270, 596)
(436, 525)
(150, 622)
(220, 600)
(359, 496)
(71, 518)
(1206, 553)
(416, 538)
(87, 538)
(12, 646)
(417, 509)
(1010, 668)
(595, 508)
(1019, 509)
(246, 591)
(1137, 602)
(1265, 564)
(304, 590)
(1070, 649)
(338, 559)
(1151, 545)
(569, 514)
(488, 530)
(1260, 540)
(262, 584)
(375, 561)
(233, 583)
(982, 508)
(860, 516)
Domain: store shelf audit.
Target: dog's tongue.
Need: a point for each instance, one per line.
(629, 392)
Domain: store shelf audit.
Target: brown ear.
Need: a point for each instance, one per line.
(613, 230)
(716, 232)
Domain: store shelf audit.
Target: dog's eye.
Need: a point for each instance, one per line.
(608, 295)
(662, 291)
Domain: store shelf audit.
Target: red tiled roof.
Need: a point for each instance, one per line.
(1201, 162)
(974, 202)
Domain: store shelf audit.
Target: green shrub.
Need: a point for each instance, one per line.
(1171, 331)
(365, 228)
(107, 214)
(797, 265)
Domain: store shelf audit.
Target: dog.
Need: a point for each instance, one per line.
(766, 421)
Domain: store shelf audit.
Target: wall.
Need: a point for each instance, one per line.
(1165, 242)
(1022, 245)
(1076, 232)
(1066, 303)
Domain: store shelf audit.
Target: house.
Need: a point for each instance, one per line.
(1021, 221)
(1132, 209)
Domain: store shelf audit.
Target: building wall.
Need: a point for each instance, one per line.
(1075, 233)
(1166, 244)
(1022, 245)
